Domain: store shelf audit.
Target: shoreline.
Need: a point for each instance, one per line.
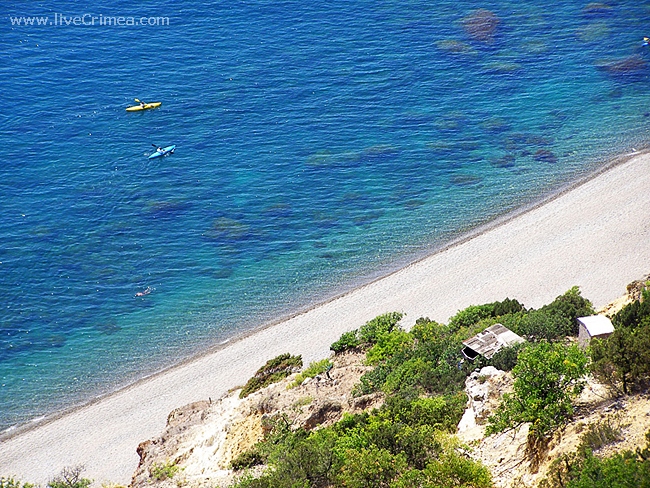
(406, 284)
(480, 229)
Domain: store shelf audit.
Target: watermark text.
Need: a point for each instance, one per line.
(88, 20)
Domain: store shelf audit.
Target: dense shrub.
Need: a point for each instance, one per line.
(571, 305)
(507, 306)
(273, 371)
(470, 315)
(375, 447)
(540, 325)
(601, 433)
(368, 334)
(475, 313)
(247, 459)
(506, 358)
(372, 330)
(388, 345)
(348, 341)
(551, 322)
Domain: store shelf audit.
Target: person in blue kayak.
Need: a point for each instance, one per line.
(160, 150)
(646, 41)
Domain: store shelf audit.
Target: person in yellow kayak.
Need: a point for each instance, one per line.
(646, 41)
(142, 104)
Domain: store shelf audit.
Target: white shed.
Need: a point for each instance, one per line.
(593, 326)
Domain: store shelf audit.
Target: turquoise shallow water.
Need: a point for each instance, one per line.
(318, 146)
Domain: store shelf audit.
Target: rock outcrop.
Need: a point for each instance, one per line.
(201, 439)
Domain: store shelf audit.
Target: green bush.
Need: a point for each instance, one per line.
(370, 332)
(367, 468)
(584, 470)
(388, 345)
(247, 459)
(475, 313)
(620, 471)
(274, 370)
(570, 305)
(507, 306)
(14, 483)
(450, 470)
(347, 342)
(470, 316)
(317, 367)
(506, 359)
(163, 471)
(581, 469)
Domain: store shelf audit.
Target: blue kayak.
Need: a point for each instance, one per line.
(164, 152)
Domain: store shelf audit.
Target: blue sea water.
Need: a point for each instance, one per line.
(318, 146)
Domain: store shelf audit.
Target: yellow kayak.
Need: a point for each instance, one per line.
(137, 108)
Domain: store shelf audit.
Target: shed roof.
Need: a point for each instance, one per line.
(597, 325)
(495, 337)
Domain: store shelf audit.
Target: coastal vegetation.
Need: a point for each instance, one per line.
(70, 477)
(420, 376)
(163, 471)
(622, 360)
(11, 482)
(548, 376)
(315, 368)
(583, 469)
(409, 440)
(273, 371)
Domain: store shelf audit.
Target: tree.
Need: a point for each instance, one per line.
(635, 313)
(547, 377)
(623, 359)
(70, 477)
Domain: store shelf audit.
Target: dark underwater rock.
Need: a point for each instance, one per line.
(507, 161)
(452, 46)
(225, 228)
(481, 25)
(465, 180)
(631, 67)
(545, 156)
(596, 9)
